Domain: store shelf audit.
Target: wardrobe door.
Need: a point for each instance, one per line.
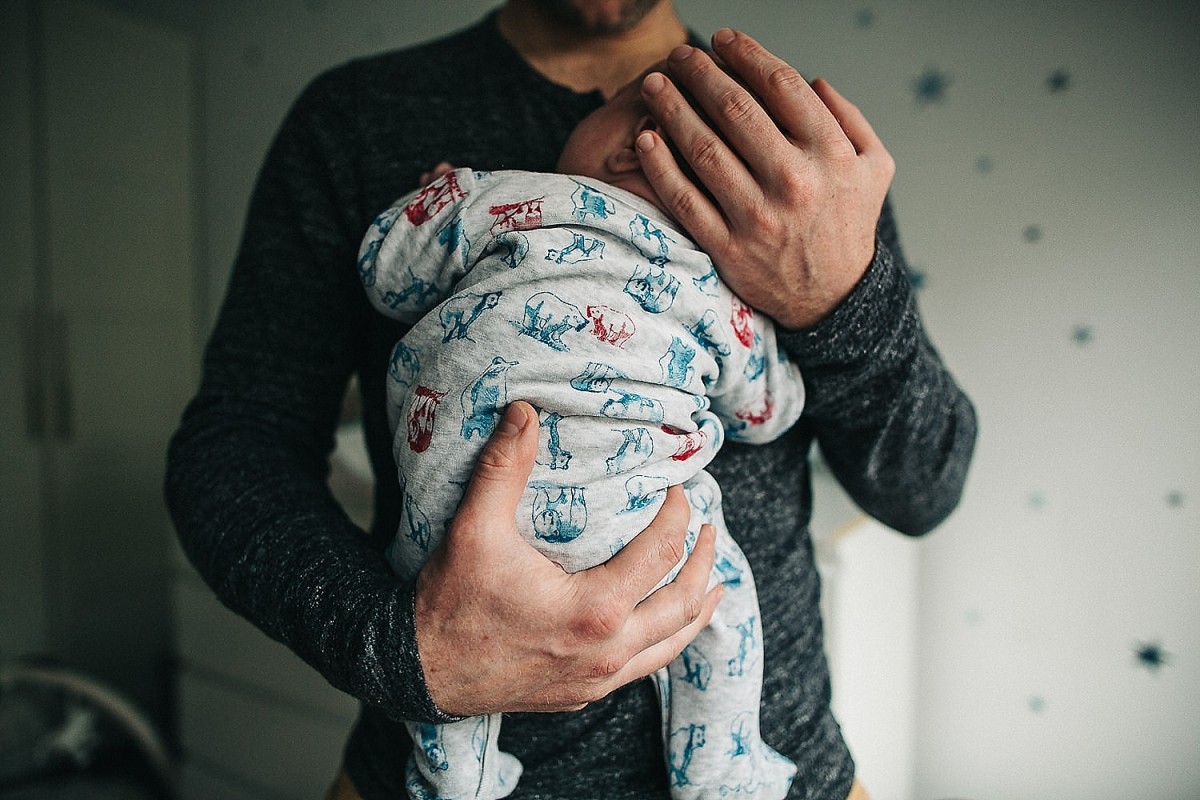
(22, 421)
(111, 330)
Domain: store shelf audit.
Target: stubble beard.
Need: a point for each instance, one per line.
(598, 17)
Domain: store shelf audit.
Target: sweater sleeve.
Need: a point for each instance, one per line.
(247, 467)
(894, 427)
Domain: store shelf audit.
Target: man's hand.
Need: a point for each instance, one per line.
(795, 175)
(502, 628)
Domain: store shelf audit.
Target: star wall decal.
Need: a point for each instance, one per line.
(1032, 233)
(1151, 656)
(916, 278)
(1082, 335)
(1037, 704)
(1058, 81)
(1175, 498)
(930, 87)
(1036, 500)
(865, 19)
(984, 165)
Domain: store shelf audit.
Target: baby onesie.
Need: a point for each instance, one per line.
(580, 298)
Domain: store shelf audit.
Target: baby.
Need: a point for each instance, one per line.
(573, 291)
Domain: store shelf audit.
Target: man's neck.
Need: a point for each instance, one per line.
(586, 61)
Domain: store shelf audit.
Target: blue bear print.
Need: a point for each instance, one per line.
(649, 239)
(511, 247)
(417, 296)
(627, 405)
(676, 364)
(432, 748)
(591, 202)
(547, 318)
(740, 733)
(479, 738)
(696, 668)
(652, 287)
(731, 574)
(596, 377)
(643, 491)
(746, 646)
(684, 741)
(459, 313)
(700, 497)
(379, 231)
(707, 332)
(637, 445)
(481, 399)
(404, 365)
(417, 523)
(708, 282)
(756, 362)
(414, 519)
(581, 248)
(454, 238)
(556, 457)
(559, 512)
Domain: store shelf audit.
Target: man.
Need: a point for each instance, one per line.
(793, 182)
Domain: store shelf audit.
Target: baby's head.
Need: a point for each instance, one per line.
(602, 144)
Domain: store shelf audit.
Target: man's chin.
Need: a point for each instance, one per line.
(599, 17)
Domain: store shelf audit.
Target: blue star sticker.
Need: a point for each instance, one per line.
(1175, 498)
(1082, 335)
(1151, 656)
(1058, 81)
(931, 87)
(865, 19)
(1032, 234)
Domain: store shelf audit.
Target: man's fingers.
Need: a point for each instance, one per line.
(643, 563)
(678, 605)
(730, 106)
(500, 474)
(658, 655)
(784, 93)
(685, 201)
(858, 130)
(671, 617)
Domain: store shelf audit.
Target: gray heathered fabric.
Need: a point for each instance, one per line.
(247, 468)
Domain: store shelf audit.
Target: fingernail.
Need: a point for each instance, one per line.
(723, 36)
(645, 141)
(682, 52)
(513, 421)
(654, 83)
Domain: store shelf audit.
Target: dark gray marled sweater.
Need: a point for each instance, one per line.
(247, 468)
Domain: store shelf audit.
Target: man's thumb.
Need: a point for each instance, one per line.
(501, 471)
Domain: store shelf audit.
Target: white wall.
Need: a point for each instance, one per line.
(1032, 216)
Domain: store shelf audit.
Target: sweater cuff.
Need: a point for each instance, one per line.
(409, 669)
(877, 316)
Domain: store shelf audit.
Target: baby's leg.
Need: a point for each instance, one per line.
(460, 761)
(713, 689)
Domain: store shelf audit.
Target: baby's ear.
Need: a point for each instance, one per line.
(623, 160)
